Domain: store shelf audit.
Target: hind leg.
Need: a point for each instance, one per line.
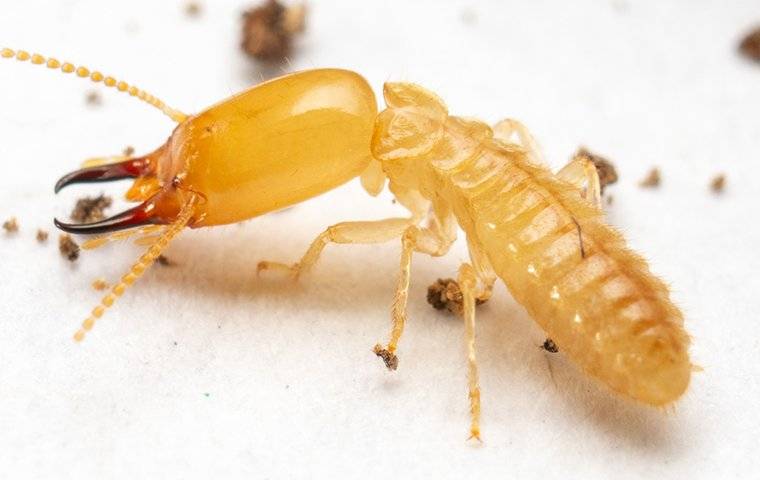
(467, 279)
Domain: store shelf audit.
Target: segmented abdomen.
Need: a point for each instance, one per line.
(573, 273)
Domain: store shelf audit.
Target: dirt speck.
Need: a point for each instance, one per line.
(128, 151)
(445, 294)
(42, 235)
(550, 346)
(718, 183)
(68, 247)
(90, 209)
(604, 168)
(164, 261)
(652, 180)
(390, 359)
(10, 225)
(268, 30)
(750, 45)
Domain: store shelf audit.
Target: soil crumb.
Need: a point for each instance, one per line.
(100, 284)
(10, 225)
(604, 168)
(90, 209)
(68, 247)
(390, 359)
(652, 180)
(718, 183)
(42, 235)
(750, 45)
(268, 30)
(445, 294)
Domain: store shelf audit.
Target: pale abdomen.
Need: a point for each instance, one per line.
(595, 298)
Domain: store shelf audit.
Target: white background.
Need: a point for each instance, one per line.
(203, 370)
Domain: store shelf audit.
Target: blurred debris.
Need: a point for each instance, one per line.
(750, 45)
(128, 151)
(93, 98)
(100, 284)
(10, 225)
(193, 9)
(604, 168)
(90, 209)
(68, 247)
(164, 261)
(718, 183)
(42, 235)
(652, 180)
(268, 30)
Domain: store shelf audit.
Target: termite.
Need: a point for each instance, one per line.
(297, 136)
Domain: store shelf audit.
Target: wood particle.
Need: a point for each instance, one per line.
(268, 30)
(604, 168)
(718, 183)
(90, 209)
(652, 180)
(100, 284)
(68, 247)
(42, 235)
(10, 225)
(750, 45)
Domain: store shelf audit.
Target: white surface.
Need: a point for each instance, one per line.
(203, 370)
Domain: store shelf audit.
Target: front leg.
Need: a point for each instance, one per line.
(347, 232)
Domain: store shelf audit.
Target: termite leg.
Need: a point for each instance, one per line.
(467, 281)
(142, 264)
(347, 232)
(582, 173)
(431, 241)
(504, 131)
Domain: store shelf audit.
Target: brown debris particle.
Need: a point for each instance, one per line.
(128, 151)
(550, 346)
(652, 180)
(163, 261)
(269, 28)
(446, 294)
(193, 9)
(390, 359)
(93, 98)
(90, 209)
(100, 284)
(750, 45)
(42, 235)
(10, 225)
(68, 247)
(604, 168)
(718, 183)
